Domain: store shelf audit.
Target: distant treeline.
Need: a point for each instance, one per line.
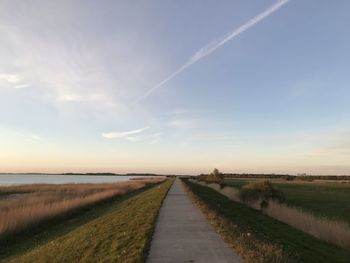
(114, 174)
(141, 174)
(303, 177)
(91, 174)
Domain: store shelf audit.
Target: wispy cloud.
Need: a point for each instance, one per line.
(123, 134)
(66, 64)
(11, 78)
(13, 81)
(21, 86)
(29, 136)
(178, 111)
(152, 138)
(82, 98)
(214, 45)
(182, 123)
(330, 143)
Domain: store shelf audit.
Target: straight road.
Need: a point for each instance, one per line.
(182, 234)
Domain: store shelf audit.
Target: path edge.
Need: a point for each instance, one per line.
(146, 249)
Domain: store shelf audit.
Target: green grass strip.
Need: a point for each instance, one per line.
(300, 246)
(326, 199)
(116, 231)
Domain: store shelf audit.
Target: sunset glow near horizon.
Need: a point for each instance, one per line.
(175, 86)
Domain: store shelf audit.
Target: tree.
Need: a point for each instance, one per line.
(261, 192)
(215, 177)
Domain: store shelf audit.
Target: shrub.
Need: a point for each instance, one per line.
(202, 177)
(215, 177)
(289, 177)
(260, 191)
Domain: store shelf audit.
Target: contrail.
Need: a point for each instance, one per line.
(214, 45)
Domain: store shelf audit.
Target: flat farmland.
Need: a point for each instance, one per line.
(327, 199)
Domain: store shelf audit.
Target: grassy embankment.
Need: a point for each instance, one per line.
(329, 230)
(326, 199)
(116, 230)
(255, 235)
(25, 206)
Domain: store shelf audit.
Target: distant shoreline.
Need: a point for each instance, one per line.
(88, 174)
(304, 177)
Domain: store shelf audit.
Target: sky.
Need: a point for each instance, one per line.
(163, 86)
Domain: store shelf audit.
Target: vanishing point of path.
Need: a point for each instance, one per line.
(182, 234)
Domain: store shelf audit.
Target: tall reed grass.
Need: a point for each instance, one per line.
(332, 231)
(28, 205)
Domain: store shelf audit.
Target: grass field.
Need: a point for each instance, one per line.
(327, 199)
(300, 246)
(25, 206)
(118, 230)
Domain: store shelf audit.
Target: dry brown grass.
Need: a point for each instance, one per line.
(27, 205)
(332, 231)
(230, 192)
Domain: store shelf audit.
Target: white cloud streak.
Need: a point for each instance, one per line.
(123, 134)
(139, 138)
(22, 86)
(13, 81)
(214, 45)
(11, 78)
(64, 64)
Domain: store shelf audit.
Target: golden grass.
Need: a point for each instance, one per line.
(28, 205)
(118, 230)
(332, 231)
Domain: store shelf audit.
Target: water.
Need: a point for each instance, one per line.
(11, 179)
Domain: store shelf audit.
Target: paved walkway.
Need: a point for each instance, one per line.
(182, 234)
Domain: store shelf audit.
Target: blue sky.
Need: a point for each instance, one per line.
(79, 86)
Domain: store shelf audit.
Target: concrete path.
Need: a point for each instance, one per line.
(182, 234)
